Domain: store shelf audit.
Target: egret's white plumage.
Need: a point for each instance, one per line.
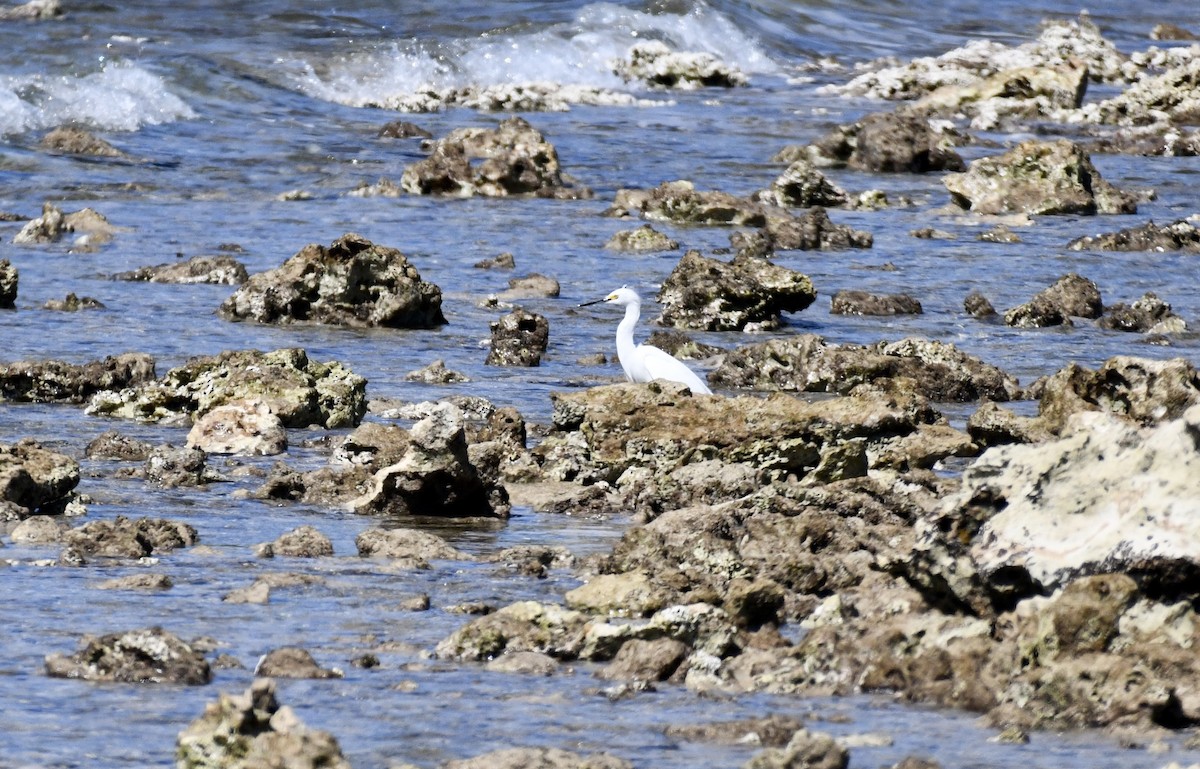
(643, 363)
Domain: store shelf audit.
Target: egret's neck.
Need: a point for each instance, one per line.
(625, 343)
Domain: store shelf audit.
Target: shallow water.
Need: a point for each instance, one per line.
(227, 105)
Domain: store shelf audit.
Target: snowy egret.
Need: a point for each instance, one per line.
(643, 363)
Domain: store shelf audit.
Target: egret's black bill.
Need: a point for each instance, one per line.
(594, 301)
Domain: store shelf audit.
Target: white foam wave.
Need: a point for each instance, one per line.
(578, 53)
(119, 97)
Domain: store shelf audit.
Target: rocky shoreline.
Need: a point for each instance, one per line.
(818, 527)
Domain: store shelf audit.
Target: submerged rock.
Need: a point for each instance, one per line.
(292, 662)
(436, 373)
(538, 758)
(73, 303)
(937, 370)
(864, 303)
(749, 293)
(654, 63)
(92, 227)
(516, 160)
(55, 381)
(353, 282)
(519, 338)
(35, 480)
(149, 656)
(299, 391)
(1037, 178)
(254, 731)
(1180, 235)
(220, 269)
(8, 285)
(71, 140)
(680, 201)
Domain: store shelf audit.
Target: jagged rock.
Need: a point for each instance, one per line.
(125, 538)
(538, 758)
(220, 269)
(252, 731)
(402, 129)
(1070, 296)
(643, 239)
(1180, 235)
(518, 339)
(863, 303)
(811, 231)
(73, 303)
(112, 445)
(299, 391)
(1149, 314)
(938, 370)
(8, 285)
(1037, 178)
(680, 201)
(301, 542)
(54, 381)
(435, 476)
(292, 662)
(803, 186)
(805, 750)
(1154, 140)
(747, 293)
(504, 261)
(681, 345)
(885, 142)
(137, 582)
(148, 656)
(94, 229)
(654, 63)
(646, 660)
(171, 467)
(516, 160)
(436, 373)
(1168, 97)
(1022, 93)
(245, 428)
(353, 282)
(994, 425)
(1142, 390)
(34, 480)
(72, 140)
(978, 306)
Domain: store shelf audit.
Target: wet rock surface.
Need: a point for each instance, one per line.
(55, 381)
(35, 480)
(885, 142)
(123, 537)
(71, 140)
(241, 427)
(644, 238)
(1148, 314)
(1179, 235)
(149, 656)
(353, 282)
(9, 279)
(865, 303)
(221, 269)
(519, 339)
(654, 63)
(747, 293)
(1070, 296)
(299, 391)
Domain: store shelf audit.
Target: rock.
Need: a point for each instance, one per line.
(412, 545)
(516, 160)
(220, 269)
(680, 201)
(773, 731)
(73, 303)
(112, 445)
(520, 627)
(402, 129)
(629, 594)
(8, 285)
(978, 306)
(811, 231)
(538, 758)
(94, 229)
(748, 293)
(353, 282)
(34, 10)
(805, 750)
(125, 538)
(171, 467)
(993, 425)
(803, 186)
(530, 287)
(137, 582)
(299, 391)
(435, 476)
(654, 63)
(301, 542)
(245, 428)
(1125, 497)
(71, 140)
(1022, 93)
(436, 373)
(292, 662)
(1169, 97)
(863, 303)
(252, 731)
(38, 530)
(1142, 390)
(258, 593)
(504, 261)
(644, 239)
(54, 381)
(999, 234)
(886, 142)
(518, 339)
(524, 663)
(680, 345)
(1070, 296)
(938, 370)
(34, 480)
(1149, 314)
(640, 660)
(1037, 178)
(148, 656)
(1180, 235)
(1171, 32)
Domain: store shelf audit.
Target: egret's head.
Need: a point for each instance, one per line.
(623, 296)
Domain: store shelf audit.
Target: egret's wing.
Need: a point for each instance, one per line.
(661, 365)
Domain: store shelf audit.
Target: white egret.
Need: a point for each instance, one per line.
(643, 363)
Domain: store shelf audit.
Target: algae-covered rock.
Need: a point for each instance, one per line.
(56, 381)
(353, 282)
(748, 293)
(35, 480)
(1070, 296)
(149, 656)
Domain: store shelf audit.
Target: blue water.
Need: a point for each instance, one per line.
(224, 106)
